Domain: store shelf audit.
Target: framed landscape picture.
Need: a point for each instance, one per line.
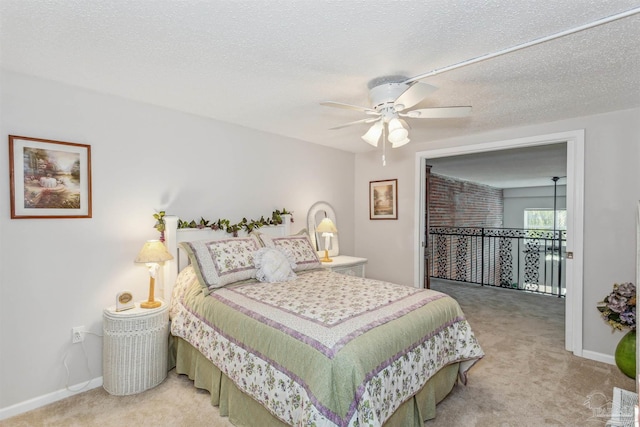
(49, 179)
(383, 199)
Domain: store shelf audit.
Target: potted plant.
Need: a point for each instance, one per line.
(160, 224)
(618, 309)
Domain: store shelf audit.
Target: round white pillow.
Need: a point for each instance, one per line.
(274, 265)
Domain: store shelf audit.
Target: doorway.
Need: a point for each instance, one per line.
(575, 211)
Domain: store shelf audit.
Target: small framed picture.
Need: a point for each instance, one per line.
(49, 179)
(383, 199)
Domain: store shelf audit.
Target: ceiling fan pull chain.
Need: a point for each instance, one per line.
(384, 147)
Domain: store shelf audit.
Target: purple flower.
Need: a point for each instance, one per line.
(626, 290)
(628, 317)
(619, 307)
(617, 303)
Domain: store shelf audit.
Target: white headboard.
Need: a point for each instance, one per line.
(173, 237)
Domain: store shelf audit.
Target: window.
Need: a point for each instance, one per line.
(542, 219)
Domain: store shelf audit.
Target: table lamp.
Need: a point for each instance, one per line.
(327, 228)
(152, 253)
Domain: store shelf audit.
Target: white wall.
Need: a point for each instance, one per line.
(60, 273)
(516, 200)
(612, 188)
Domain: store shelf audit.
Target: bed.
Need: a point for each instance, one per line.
(304, 345)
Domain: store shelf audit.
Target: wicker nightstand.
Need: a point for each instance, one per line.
(135, 349)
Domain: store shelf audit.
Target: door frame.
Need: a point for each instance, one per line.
(575, 216)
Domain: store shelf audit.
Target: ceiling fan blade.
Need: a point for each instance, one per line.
(438, 113)
(367, 120)
(348, 106)
(414, 94)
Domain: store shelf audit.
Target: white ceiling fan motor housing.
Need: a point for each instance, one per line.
(384, 95)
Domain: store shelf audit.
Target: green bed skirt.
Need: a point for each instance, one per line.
(244, 411)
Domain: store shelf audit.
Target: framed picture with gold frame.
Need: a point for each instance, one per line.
(49, 179)
(383, 199)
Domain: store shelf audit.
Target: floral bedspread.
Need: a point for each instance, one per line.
(325, 349)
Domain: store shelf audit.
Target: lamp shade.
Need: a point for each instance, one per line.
(397, 132)
(326, 226)
(153, 251)
(373, 134)
(400, 143)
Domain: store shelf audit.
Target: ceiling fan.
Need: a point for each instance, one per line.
(391, 97)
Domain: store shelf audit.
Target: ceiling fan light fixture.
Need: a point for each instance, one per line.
(400, 144)
(392, 98)
(397, 133)
(372, 136)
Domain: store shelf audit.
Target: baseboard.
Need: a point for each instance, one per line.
(599, 357)
(38, 402)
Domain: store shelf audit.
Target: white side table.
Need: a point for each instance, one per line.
(349, 265)
(135, 349)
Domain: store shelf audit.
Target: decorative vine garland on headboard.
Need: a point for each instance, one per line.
(224, 224)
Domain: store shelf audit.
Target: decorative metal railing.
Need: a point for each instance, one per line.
(531, 260)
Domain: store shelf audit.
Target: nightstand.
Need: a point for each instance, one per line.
(135, 349)
(349, 265)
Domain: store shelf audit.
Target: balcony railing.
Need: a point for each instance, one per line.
(530, 260)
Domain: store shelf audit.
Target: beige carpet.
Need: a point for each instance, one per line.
(525, 379)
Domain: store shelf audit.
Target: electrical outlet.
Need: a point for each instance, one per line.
(77, 334)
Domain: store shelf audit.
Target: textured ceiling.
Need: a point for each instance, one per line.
(518, 167)
(267, 64)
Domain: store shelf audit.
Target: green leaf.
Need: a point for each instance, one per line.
(225, 224)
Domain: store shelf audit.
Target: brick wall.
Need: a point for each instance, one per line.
(456, 203)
